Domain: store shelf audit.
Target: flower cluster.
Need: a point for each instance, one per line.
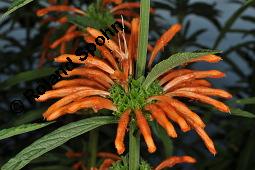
(109, 83)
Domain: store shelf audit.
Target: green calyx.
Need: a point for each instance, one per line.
(135, 97)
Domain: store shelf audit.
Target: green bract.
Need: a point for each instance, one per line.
(136, 95)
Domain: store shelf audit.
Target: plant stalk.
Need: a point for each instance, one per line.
(134, 147)
(93, 140)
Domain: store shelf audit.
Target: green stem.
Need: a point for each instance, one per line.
(93, 140)
(143, 38)
(134, 147)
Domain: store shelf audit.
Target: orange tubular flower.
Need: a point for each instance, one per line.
(108, 160)
(108, 83)
(122, 127)
(170, 162)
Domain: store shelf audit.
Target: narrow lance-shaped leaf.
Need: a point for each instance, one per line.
(26, 76)
(174, 61)
(55, 139)
(143, 37)
(6, 133)
(16, 4)
(242, 113)
(250, 100)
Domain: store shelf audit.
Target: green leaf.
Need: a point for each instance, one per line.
(16, 4)
(173, 61)
(250, 100)
(249, 1)
(26, 76)
(242, 113)
(6, 133)
(55, 139)
(143, 37)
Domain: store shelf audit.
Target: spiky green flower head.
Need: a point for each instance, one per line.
(135, 97)
(123, 165)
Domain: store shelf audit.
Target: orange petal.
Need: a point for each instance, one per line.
(202, 98)
(72, 154)
(106, 164)
(110, 1)
(63, 48)
(133, 40)
(133, 43)
(126, 23)
(171, 161)
(126, 13)
(58, 8)
(103, 51)
(56, 114)
(207, 140)
(194, 75)
(94, 74)
(182, 109)
(71, 29)
(109, 43)
(61, 92)
(96, 103)
(62, 58)
(172, 114)
(178, 80)
(66, 38)
(159, 115)
(62, 20)
(77, 165)
(78, 82)
(127, 5)
(90, 61)
(207, 91)
(208, 58)
(145, 130)
(193, 83)
(121, 131)
(174, 74)
(163, 40)
(72, 97)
